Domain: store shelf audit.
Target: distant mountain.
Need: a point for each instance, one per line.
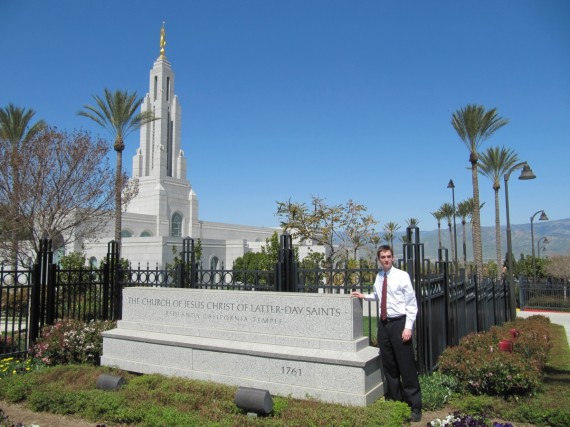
(557, 232)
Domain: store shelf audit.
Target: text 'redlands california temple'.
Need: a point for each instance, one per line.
(166, 207)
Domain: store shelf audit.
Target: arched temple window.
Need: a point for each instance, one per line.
(176, 225)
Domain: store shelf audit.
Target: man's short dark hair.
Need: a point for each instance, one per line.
(384, 248)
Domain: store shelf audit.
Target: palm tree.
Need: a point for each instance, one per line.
(16, 128)
(447, 212)
(117, 112)
(495, 162)
(474, 125)
(375, 240)
(438, 216)
(465, 211)
(388, 237)
(412, 222)
(389, 232)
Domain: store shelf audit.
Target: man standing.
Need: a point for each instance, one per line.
(398, 309)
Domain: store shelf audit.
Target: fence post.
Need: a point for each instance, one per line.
(477, 304)
(51, 302)
(35, 304)
(450, 320)
(106, 286)
(285, 269)
(39, 283)
(412, 258)
(505, 316)
(187, 267)
(115, 279)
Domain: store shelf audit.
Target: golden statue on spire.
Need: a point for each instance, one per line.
(162, 39)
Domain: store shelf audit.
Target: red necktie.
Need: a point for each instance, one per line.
(383, 311)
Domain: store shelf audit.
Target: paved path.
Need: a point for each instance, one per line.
(557, 317)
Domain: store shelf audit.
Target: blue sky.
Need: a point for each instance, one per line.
(338, 99)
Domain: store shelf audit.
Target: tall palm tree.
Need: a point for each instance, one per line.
(16, 127)
(438, 216)
(389, 232)
(465, 211)
(412, 222)
(447, 212)
(474, 125)
(375, 240)
(388, 237)
(118, 113)
(494, 163)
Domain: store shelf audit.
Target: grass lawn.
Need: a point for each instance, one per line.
(155, 400)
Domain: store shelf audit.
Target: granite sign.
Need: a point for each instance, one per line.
(288, 343)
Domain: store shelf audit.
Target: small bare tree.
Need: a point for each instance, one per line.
(558, 266)
(65, 190)
(359, 227)
(328, 225)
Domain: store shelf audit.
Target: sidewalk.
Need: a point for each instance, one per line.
(556, 317)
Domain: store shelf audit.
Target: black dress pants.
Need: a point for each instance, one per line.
(399, 363)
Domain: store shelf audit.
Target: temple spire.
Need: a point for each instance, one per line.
(162, 40)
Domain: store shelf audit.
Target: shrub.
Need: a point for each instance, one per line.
(532, 338)
(71, 341)
(478, 364)
(437, 389)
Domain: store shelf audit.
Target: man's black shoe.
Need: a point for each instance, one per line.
(416, 415)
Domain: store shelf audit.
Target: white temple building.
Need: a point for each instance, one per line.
(166, 208)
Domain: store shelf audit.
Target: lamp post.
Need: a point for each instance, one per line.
(543, 217)
(526, 173)
(544, 240)
(452, 186)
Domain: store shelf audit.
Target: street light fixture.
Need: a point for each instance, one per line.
(526, 173)
(544, 241)
(543, 217)
(452, 186)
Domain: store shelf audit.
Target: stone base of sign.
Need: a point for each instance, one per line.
(302, 345)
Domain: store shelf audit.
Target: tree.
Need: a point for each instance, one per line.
(474, 125)
(358, 227)
(448, 211)
(438, 217)
(177, 257)
(270, 252)
(465, 211)
(327, 225)
(248, 261)
(64, 194)
(253, 262)
(198, 250)
(558, 267)
(313, 260)
(390, 232)
(16, 129)
(413, 222)
(495, 162)
(117, 112)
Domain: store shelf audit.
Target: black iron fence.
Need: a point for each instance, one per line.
(451, 306)
(545, 295)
